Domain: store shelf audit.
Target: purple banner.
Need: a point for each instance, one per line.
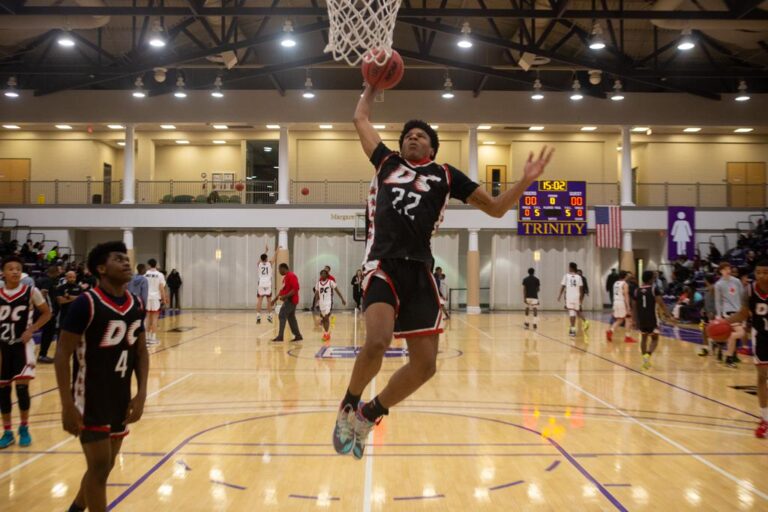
(681, 232)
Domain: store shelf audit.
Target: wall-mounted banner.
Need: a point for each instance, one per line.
(681, 231)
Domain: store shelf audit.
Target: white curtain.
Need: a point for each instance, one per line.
(513, 255)
(314, 250)
(227, 281)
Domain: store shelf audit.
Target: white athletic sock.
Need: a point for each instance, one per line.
(765, 413)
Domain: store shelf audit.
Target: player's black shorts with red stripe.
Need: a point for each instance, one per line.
(760, 346)
(408, 286)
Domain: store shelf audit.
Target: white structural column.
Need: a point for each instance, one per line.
(626, 167)
(473, 273)
(627, 261)
(283, 177)
(281, 254)
(473, 172)
(128, 241)
(129, 172)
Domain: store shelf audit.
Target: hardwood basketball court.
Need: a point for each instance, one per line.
(512, 420)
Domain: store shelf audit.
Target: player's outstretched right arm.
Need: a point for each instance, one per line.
(369, 137)
(71, 419)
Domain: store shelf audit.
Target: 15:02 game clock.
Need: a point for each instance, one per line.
(553, 208)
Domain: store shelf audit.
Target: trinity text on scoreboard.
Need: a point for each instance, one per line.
(552, 208)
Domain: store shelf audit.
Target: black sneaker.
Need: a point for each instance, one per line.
(730, 362)
(296, 339)
(703, 352)
(526, 326)
(45, 360)
(258, 320)
(277, 340)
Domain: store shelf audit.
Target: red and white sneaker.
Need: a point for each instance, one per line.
(326, 336)
(629, 339)
(761, 432)
(609, 335)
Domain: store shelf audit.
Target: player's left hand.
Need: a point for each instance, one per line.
(27, 335)
(534, 168)
(135, 409)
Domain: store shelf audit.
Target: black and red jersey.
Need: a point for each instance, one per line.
(406, 204)
(758, 306)
(15, 313)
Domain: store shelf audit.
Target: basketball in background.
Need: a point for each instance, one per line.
(305, 191)
(719, 329)
(239, 186)
(384, 76)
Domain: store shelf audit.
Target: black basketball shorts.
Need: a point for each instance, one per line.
(18, 362)
(408, 286)
(760, 346)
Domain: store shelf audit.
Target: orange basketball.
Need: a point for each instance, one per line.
(385, 76)
(305, 191)
(239, 186)
(719, 329)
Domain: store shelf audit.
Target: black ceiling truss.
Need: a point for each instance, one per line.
(244, 29)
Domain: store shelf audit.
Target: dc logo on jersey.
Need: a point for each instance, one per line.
(403, 175)
(15, 313)
(116, 331)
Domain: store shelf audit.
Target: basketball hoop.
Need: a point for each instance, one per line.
(357, 26)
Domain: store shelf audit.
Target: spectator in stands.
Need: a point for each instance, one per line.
(174, 282)
(53, 255)
(27, 252)
(67, 293)
(714, 254)
(745, 276)
(609, 282)
(47, 285)
(357, 288)
(139, 286)
(88, 281)
(728, 295)
(749, 262)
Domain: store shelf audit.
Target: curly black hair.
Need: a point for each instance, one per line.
(431, 133)
(11, 259)
(100, 254)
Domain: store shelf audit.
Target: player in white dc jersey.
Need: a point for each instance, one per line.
(266, 274)
(324, 294)
(573, 287)
(156, 299)
(621, 308)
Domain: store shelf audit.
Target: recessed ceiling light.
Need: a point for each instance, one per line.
(484, 127)
(743, 130)
(182, 142)
(63, 127)
(434, 126)
(638, 129)
(168, 126)
(489, 142)
(536, 128)
(11, 126)
(588, 128)
(219, 142)
(273, 127)
(326, 126)
(380, 126)
(267, 149)
(219, 126)
(120, 143)
(115, 126)
(692, 130)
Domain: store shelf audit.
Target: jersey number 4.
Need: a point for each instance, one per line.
(405, 208)
(122, 364)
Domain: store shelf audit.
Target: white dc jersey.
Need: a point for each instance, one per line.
(618, 292)
(154, 279)
(265, 274)
(572, 283)
(325, 292)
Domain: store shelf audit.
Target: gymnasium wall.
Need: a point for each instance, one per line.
(185, 163)
(60, 159)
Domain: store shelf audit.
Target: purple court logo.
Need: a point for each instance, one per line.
(681, 232)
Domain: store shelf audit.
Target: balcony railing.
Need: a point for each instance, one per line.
(716, 195)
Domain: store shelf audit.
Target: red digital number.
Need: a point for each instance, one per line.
(579, 212)
(577, 201)
(530, 200)
(527, 212)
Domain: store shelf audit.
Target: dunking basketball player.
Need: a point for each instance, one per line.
(755, 304)
(406, 203)
(105, 330)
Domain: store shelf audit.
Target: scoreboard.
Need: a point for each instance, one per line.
(553, 208)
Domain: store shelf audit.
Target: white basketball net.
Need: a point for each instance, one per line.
(357, 26)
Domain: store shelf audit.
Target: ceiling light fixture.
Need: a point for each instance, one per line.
(115, 126)
(273, 127)
(180, 91)
(638, 129)
(434, 126)
(465, 42)
(484, 127)
(11, 126)
(288, 41)
(576, 94)
(536, 128)
(65, 39)
(12, 90)
(63, 127)
(121, 143)
(182, 141)
(537, 94)
(692, 130)
(217, 92)
(267, 149)
(588, 128)
(380, 126)
(156, 37)
(309, 91)
(219, 126)
(596, 41)
(219, 141)
(448, 88)
(743, 130)
(326, 127)
(138, 91)
(618, 92)
(489, 142)
(686, 41)
(168, 126)
(743, 95)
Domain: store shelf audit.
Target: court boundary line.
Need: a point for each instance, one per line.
(475, 328)
(748, 486)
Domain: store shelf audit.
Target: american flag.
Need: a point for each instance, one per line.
(608, 226)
